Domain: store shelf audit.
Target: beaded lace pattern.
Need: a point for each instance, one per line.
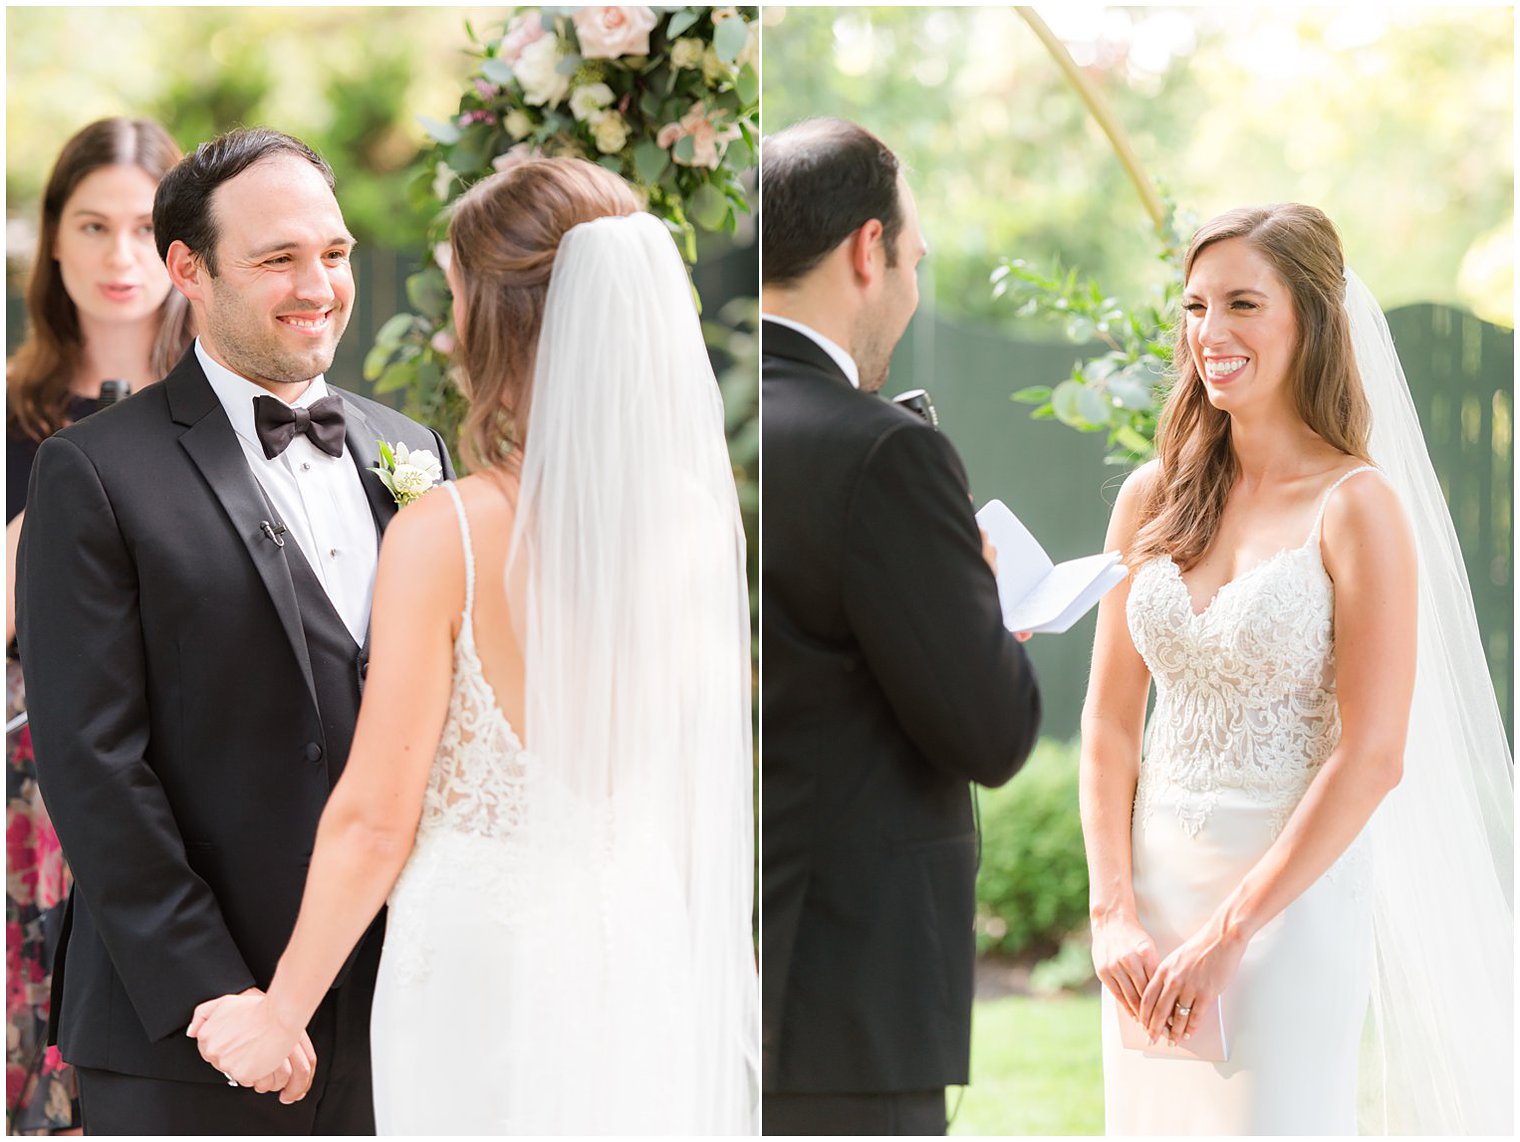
(1245, 688)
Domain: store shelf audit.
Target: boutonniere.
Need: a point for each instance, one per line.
(406, 473)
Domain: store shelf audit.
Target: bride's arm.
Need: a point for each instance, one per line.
(1113, 723)
(370, 821)
(1369, 554)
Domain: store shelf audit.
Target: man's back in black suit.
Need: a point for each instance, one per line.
(889, 685)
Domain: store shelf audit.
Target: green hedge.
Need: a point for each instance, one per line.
(1032, 889)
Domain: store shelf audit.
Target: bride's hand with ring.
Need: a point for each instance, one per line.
(1188, 980)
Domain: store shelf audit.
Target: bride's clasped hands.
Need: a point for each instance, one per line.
(1191, 978)
(245, 1038)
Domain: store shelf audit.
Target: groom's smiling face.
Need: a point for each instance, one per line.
(281, 298)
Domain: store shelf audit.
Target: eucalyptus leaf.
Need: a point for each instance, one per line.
(682, 20)
(685, 149)
(707, 207)
(377, 358)
(1093, 407)
(394, 330)
(428, 291)
(446, 133)
(649, 159)
(1034, 394)
(729, 38)
(568, 65)
(747, 84)
(1130, 391)
(1066, 401)
(498, 71)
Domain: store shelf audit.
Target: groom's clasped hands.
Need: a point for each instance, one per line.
(243, 1037)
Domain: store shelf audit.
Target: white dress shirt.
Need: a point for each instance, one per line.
(318, 497)
(841, 358)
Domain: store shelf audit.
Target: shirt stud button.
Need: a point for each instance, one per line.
(306, 465)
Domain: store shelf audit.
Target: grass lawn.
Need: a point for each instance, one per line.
(1036, 1068)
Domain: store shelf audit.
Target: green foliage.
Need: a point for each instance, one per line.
(1032, 888)
(1121, 390)
(679, 124)
(1396, 122)
(1036, 1069)
(1070, 969)
(734, 341)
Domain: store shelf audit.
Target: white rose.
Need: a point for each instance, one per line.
(686, 53)
(409, 481)
(422, 461)
(519, 123)
(537, 71)
(610, 131)
(588, 99)
(443, 178)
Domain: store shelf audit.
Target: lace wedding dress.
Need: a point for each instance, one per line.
(1245, 714)
(535, 979)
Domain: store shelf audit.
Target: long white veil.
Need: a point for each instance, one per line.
(627, 578)
(1439, 1055)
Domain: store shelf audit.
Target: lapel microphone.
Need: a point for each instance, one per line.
(918, 403)
(113, 390)
(274, 530)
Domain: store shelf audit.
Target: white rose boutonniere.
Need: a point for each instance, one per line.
(406, 473)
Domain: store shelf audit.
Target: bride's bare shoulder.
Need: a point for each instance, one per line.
(1128, 505)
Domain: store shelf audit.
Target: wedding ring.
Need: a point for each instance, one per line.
(1183, 1010)
(230, 1080)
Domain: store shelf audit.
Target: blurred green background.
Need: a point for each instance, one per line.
(1398, 122)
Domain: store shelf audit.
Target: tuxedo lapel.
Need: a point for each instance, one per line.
(363, 442)
(213, 447)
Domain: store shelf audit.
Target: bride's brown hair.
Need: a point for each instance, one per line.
(1181, 513)
(504, 234)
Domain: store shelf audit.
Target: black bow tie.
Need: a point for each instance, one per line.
(277, 424)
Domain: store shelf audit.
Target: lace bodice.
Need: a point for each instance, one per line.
(1245, 689)
(492, 817)
(478, 784)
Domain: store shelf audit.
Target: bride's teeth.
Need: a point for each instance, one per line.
(1224, 368)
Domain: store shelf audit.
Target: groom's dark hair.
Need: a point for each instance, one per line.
(820, 181)
(182, 205)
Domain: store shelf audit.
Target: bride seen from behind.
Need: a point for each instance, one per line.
(568, 941)
(1292, 620)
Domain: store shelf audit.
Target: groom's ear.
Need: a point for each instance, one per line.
(862, 247)
(186, 270)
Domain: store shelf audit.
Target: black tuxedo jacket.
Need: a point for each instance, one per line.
(179, 745)
(889, 684)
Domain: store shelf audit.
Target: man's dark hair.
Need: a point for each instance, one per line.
(182, 206)
(820, 181)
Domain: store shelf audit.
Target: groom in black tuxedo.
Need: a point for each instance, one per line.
(195, 577)
(889, 681)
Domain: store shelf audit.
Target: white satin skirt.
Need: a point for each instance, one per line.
(1295, 1012)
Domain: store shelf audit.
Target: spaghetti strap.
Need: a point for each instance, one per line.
(469, 552)
(1319, 516)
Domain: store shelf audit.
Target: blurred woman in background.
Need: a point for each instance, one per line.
(99, 308)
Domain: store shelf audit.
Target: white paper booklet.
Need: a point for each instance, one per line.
(1036, 594)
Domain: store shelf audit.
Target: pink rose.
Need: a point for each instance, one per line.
(442, 342)
(709, 141)
(606, 33)
(521, 31)
(514, 155)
